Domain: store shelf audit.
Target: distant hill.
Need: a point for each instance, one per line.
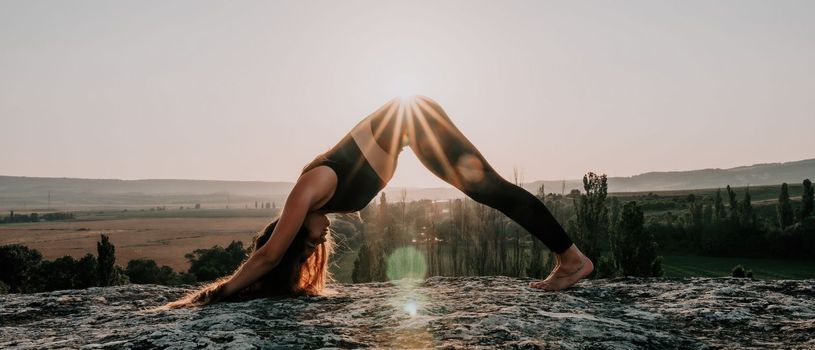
(32, 192)
(754, 175)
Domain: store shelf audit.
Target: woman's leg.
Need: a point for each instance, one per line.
(446, 152)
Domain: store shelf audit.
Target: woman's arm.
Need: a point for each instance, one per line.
(298, 203)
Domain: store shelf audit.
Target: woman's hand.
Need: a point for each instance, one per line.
(209, 295)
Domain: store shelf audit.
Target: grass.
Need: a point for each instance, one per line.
(703, 266)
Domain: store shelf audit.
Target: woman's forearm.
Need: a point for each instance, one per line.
(249, 272)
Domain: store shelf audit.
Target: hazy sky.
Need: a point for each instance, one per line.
(254, 90)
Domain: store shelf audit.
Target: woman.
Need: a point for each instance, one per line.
(290, 256)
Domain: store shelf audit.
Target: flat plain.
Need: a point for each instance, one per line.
(165, 240)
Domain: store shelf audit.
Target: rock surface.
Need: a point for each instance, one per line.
(440, 312)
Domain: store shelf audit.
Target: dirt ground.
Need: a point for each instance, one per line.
(164, 240)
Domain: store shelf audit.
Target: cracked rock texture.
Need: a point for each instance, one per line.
(439, 312)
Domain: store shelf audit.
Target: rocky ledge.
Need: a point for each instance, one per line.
(440, 312)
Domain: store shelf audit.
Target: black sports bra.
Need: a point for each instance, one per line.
(357, 182)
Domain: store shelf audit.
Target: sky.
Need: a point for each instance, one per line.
(249, 90)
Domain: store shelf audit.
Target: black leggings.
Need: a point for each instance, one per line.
(446, 152)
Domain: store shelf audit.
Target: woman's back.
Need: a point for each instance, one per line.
(357, 181)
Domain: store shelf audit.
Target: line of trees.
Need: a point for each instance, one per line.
(24, 270)
(35, 217)
(725, 225)
(464, 237)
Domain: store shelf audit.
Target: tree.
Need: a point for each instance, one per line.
(143, 271)
(57, 274)
(707, 212)
(633, 249)
(215, 262)
(86, 272)
(19, 265)
(362, 265)
(695, 212)
(590, 228)
(748, 218)
(615, 211)
(718, 207)
(106, 257)
(734, 210)
(784, 208)
(66, 273)
(806, 199)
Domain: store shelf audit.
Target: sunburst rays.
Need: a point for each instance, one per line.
(419, 107)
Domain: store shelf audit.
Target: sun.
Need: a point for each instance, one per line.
(406, 98)
(405, 86)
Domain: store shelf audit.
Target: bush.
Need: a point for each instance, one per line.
(144, 271)
(209, 264)
(739, 271)
(19, 265)
(57, 274)
(66, 273)
(85, 269)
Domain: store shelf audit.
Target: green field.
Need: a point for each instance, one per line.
(703, 266)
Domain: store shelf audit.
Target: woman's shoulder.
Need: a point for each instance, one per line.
(319, 173)
(322, 180)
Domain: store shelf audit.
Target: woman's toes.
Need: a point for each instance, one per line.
(538, 284)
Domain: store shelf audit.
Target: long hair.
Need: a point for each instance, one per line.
(293, 276)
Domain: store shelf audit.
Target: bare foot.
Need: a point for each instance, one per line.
(572, 266)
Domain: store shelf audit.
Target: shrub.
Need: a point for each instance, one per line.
(740, 271)
(18, 267)
(143, 271)
(215, 262)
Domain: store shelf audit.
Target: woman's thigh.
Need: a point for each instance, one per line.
(443, 148)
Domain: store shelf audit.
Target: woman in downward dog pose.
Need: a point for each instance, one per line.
(290, 256)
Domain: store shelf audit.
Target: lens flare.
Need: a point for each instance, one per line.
(411, 308)
(406, 263)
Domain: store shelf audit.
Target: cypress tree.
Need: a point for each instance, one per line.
(695, 212)
(718, 206)
(106, 253)
(747, 216)
(734, 204)
(784, 207)
(806, 199)
(707, 212)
